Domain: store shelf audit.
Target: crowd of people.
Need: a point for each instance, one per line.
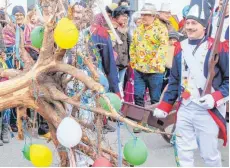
(147, 63)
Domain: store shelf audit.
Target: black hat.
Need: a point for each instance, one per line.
(200, 10)
(110, 8)
(120, 11)
(175, 35)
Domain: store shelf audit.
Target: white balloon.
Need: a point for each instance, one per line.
(69, 132)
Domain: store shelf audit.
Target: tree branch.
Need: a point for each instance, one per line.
(79, 75)
(62, 97)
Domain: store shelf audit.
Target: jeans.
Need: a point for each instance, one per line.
(154, 83)
(13, 117)
(6, 116)
(10, 61)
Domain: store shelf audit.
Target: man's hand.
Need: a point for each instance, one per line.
(207, 102)
(159, 113)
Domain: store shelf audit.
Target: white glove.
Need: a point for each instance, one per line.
(159, 113)
(207, 102)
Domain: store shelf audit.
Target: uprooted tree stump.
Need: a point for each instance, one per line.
(41, 86)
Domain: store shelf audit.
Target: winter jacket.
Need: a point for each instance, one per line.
(122, 50)
(102, 41)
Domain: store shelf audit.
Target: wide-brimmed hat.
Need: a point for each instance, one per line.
(165, 7)
(148, 8)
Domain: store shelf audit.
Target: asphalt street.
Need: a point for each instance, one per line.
(160, 153)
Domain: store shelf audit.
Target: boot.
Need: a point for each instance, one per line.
(138, 130)
(109, 128)
(5, 133)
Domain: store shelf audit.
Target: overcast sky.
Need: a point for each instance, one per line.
(14, 3)
(176, 5)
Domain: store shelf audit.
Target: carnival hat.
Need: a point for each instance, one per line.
(120, 11)
(110, 8)
(165, 7)
(148, 8)
(201, 11)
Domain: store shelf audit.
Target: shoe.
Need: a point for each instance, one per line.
(1, 143)
(104, 131)
(5, 133)
(14, 127)
(138, 130)
(111, 119)
(45, 136)
(43, 129)
(109, 128)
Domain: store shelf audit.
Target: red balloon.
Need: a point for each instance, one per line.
(102, 162)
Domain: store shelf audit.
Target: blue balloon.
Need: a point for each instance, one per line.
(185, 10)
(104, 82)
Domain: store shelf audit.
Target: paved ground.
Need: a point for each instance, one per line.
(160, 153)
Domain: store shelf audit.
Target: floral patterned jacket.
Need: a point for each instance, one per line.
(149, 48)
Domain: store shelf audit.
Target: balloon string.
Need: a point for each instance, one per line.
(26, 132)
(134, 137)
(173, 142)
(119, 144)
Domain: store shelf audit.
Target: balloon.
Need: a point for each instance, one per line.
(174, 23)
(186, 10)
(102, 162)
(66, 34)
(69, 132)
(26, 151)
(104, 82)
(37, 36)
(114, 100)
(135, 152)
(40, 155)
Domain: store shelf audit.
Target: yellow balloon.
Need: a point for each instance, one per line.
(66, 34)
(174, 23)
(40, 155)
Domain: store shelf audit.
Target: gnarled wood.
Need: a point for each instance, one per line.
(41, 86)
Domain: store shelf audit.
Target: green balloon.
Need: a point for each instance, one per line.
(36, 36)
(26, 151)
(135, 152)
(114, 100)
